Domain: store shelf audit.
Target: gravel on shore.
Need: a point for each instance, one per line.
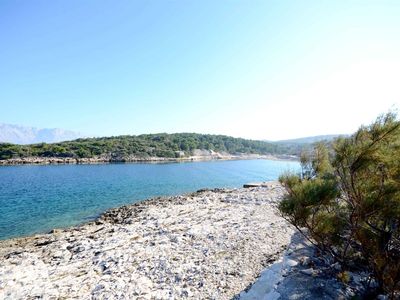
(211, 244)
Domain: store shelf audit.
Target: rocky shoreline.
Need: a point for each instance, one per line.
(135, 159)
(204, 245)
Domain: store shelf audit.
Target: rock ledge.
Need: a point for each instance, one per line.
(211, 244)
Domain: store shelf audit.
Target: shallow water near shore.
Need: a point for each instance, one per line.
(35, 199)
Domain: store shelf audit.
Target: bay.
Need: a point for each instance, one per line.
(35, 199)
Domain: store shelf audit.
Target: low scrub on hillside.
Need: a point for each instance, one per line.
(347, 201)
(148, 145)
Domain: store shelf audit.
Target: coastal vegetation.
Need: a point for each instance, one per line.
(146, 145)
(347, 202)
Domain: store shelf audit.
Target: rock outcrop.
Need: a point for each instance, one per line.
(205, 245)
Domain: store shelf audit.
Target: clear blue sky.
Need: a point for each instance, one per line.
(256, 69)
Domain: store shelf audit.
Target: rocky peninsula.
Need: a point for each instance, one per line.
(211, 244)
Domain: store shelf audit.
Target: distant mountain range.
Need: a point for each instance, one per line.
(17, 134)
(311, 139)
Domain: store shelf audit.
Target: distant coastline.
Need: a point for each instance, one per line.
(177, 147)
(35, 160)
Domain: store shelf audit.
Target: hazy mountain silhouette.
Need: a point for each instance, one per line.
(17, 134)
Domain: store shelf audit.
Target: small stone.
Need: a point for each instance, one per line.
(309, 271)
(98, 288)
(305, 261)
(336, 266)
(291, 263)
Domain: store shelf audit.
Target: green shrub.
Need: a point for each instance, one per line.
(348, 202)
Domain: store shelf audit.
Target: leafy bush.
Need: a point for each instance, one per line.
(348, 202)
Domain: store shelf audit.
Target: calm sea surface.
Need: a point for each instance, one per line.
(35, 199)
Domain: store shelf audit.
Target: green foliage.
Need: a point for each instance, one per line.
(316, 161)
(154, 145)
(349, 201)
(344, 277)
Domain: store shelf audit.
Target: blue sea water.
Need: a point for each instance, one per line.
(36, 199)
